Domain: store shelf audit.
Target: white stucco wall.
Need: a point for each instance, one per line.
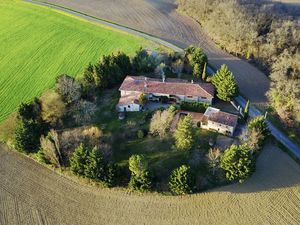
(129, 107)
(220, 128)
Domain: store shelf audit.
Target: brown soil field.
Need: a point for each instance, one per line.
(160, 18)
(33, 194)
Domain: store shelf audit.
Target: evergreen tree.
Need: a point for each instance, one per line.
(238, 162)
(181, 181)
(196, 71)
(94, 167)
(246, 110)
(259, 124)
(27, 135)
(140, 177)
(225, 84)
(89, 81)
(204, 73)
(79, 160)
(184, 134)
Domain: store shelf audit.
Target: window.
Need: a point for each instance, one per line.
(203, 98)
(129, 106)
(189, 96)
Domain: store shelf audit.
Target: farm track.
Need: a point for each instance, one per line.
(161, 19)
(33, 194)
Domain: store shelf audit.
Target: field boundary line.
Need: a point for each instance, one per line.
(109, 23)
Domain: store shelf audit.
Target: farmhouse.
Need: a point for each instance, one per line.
(222, 122)
(212, 119)
(165, 90)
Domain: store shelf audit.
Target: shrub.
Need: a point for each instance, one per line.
(143, 99)
(181, 181)
(194, 106)
(238, 163)
(140, 134)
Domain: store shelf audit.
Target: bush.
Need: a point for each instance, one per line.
(238, 163)
(181, 181)
(140, 134)
(194, 106)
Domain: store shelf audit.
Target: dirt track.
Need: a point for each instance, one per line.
(33, 194)
(158, 17)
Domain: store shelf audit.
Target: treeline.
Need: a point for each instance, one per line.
(264, 32)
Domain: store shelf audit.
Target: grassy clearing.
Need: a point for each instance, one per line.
(38, 43)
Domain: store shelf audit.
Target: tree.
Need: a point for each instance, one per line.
(246, 110)
(137, 165)
(196, 56)
(94, 167)
(79, 160)
(143, 99)
(53, 108)
(51, 148)
(204, 73)
(184, 134)
(196, 71)
(123, 61)
(225, 84)
(27, 135)
(89, 81)
(213, 156)
(140, 178)
(161, 122)
(142, 62)
(260, 125)
(30, 111)
(68, 88)
(181, 181)
(238, 162)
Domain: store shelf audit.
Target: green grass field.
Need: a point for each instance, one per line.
(38, 43)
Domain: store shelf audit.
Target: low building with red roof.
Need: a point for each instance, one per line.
(174, 90)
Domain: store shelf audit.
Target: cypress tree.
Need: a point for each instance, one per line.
(196, 71)
(246, 110)
(204, 75)
(225, 84)
(184, 134)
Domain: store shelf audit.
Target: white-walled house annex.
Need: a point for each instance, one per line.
(174, 90)
(217, 120)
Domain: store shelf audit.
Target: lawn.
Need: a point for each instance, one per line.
(39, 43)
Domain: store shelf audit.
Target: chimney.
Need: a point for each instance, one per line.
(163, 79)
(192, 81)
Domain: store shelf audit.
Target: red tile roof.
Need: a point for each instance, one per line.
(170, 86)
(218, 116)
(128, 99)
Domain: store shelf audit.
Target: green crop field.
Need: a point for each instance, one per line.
(39, 43)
